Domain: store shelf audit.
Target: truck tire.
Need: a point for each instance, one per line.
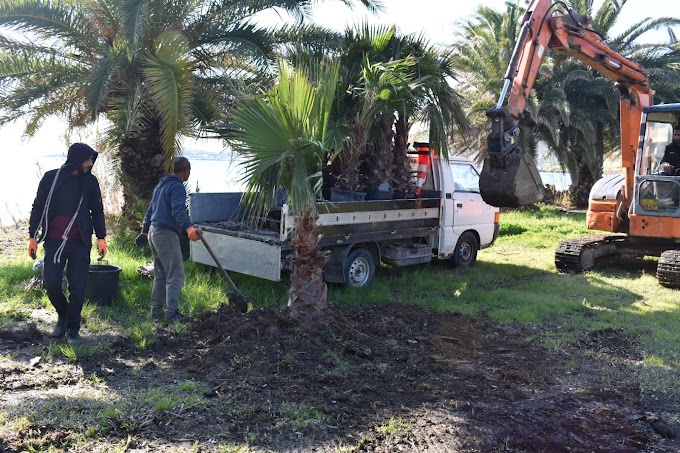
(465, 254)
(359, 269)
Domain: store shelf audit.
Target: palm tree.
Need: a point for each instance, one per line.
(482, 51)
(284, 136)
(392, 80)
(482, 48)
(156, 69)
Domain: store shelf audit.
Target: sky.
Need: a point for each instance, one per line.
(435, 19)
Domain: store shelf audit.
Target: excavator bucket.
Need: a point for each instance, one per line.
(510, 181)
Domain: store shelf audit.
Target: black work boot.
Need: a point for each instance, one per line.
(59, 329)
(157, 314)
(73, 337)
(179, 317)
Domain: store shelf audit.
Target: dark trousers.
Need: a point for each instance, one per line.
(76, 258)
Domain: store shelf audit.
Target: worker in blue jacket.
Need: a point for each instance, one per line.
(164, 221)
(66, 210)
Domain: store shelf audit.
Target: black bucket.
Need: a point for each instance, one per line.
(102, 283)
(511, 181)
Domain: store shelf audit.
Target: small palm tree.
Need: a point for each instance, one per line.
(388, 82)
(284, 136)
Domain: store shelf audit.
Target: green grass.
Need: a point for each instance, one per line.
(74, 353)
(143, 335)
(165, 398)
(394, 426)
(299, 416)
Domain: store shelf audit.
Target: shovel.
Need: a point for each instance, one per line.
(235, 298)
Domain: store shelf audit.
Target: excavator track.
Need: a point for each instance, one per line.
(668, 269)
(580, 254)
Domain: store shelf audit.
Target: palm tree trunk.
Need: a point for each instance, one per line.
(307, 296)
(381, 164)
(349, 160)
(142, 165)
(580, 192)
(402, 168)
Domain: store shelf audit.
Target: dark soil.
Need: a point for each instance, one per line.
(459, 385)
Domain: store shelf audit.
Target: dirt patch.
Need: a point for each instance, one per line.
(388, 378)
(13, 239)
(447, 381)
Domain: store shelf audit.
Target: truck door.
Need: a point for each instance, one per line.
(470, 212)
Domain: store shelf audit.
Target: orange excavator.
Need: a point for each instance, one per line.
(641, 206)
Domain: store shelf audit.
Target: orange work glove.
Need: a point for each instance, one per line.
(32, 248)
(101, 248)
(193, 233)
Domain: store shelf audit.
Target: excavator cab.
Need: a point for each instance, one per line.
(657, 185)
(509, 179)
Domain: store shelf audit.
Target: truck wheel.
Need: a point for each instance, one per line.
(465, 254)
(360, 269)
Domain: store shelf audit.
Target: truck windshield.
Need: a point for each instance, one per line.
(465, 177)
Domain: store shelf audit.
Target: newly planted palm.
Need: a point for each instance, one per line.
(284, 136)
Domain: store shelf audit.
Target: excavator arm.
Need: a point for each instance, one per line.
(511, 179)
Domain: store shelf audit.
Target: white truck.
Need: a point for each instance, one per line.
(449, 220)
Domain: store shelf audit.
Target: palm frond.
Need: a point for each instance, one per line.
(100, 77)
(49, 20)
(135, 16)
(170, 86)
(283, 135)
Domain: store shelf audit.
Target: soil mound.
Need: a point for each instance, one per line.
(405, 378)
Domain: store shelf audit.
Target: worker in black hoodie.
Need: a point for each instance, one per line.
(67, 208)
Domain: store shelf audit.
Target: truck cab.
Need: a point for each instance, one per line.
(468, 223)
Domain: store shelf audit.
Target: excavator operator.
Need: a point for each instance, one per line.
(670, 163)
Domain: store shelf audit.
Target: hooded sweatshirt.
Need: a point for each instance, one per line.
(66, 195)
